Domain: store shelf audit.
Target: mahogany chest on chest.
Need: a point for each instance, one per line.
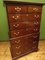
(24, 27)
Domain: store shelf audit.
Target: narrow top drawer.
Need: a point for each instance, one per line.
(16, 9)
(34, 8)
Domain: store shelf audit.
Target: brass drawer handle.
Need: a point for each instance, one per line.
(17, 47)
(36, 16)
(18, 53)
(16, 25)
(36, 23)
(16, 33)
(18, 9)
(26, 14)
(36, 29)
(17, 41)
(15, 17)
(35, 9)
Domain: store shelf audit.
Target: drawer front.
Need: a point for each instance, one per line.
(17, 17)
(16, 9)
(19, 25)
(34, 8)
(24, 17)
(17, 33)
(21, 32)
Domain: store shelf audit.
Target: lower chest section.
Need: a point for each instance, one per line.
(23, 45)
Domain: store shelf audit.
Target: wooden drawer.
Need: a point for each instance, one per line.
(17, 17)
(24, 17)
(16, 9)
(26, 24)
(17, 33)
(34, 8)
(21, 32)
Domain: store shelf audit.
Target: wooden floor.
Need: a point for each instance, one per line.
(5, 52)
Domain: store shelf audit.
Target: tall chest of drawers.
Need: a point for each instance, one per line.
(24, 27)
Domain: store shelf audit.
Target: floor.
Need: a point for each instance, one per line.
(5, 52)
